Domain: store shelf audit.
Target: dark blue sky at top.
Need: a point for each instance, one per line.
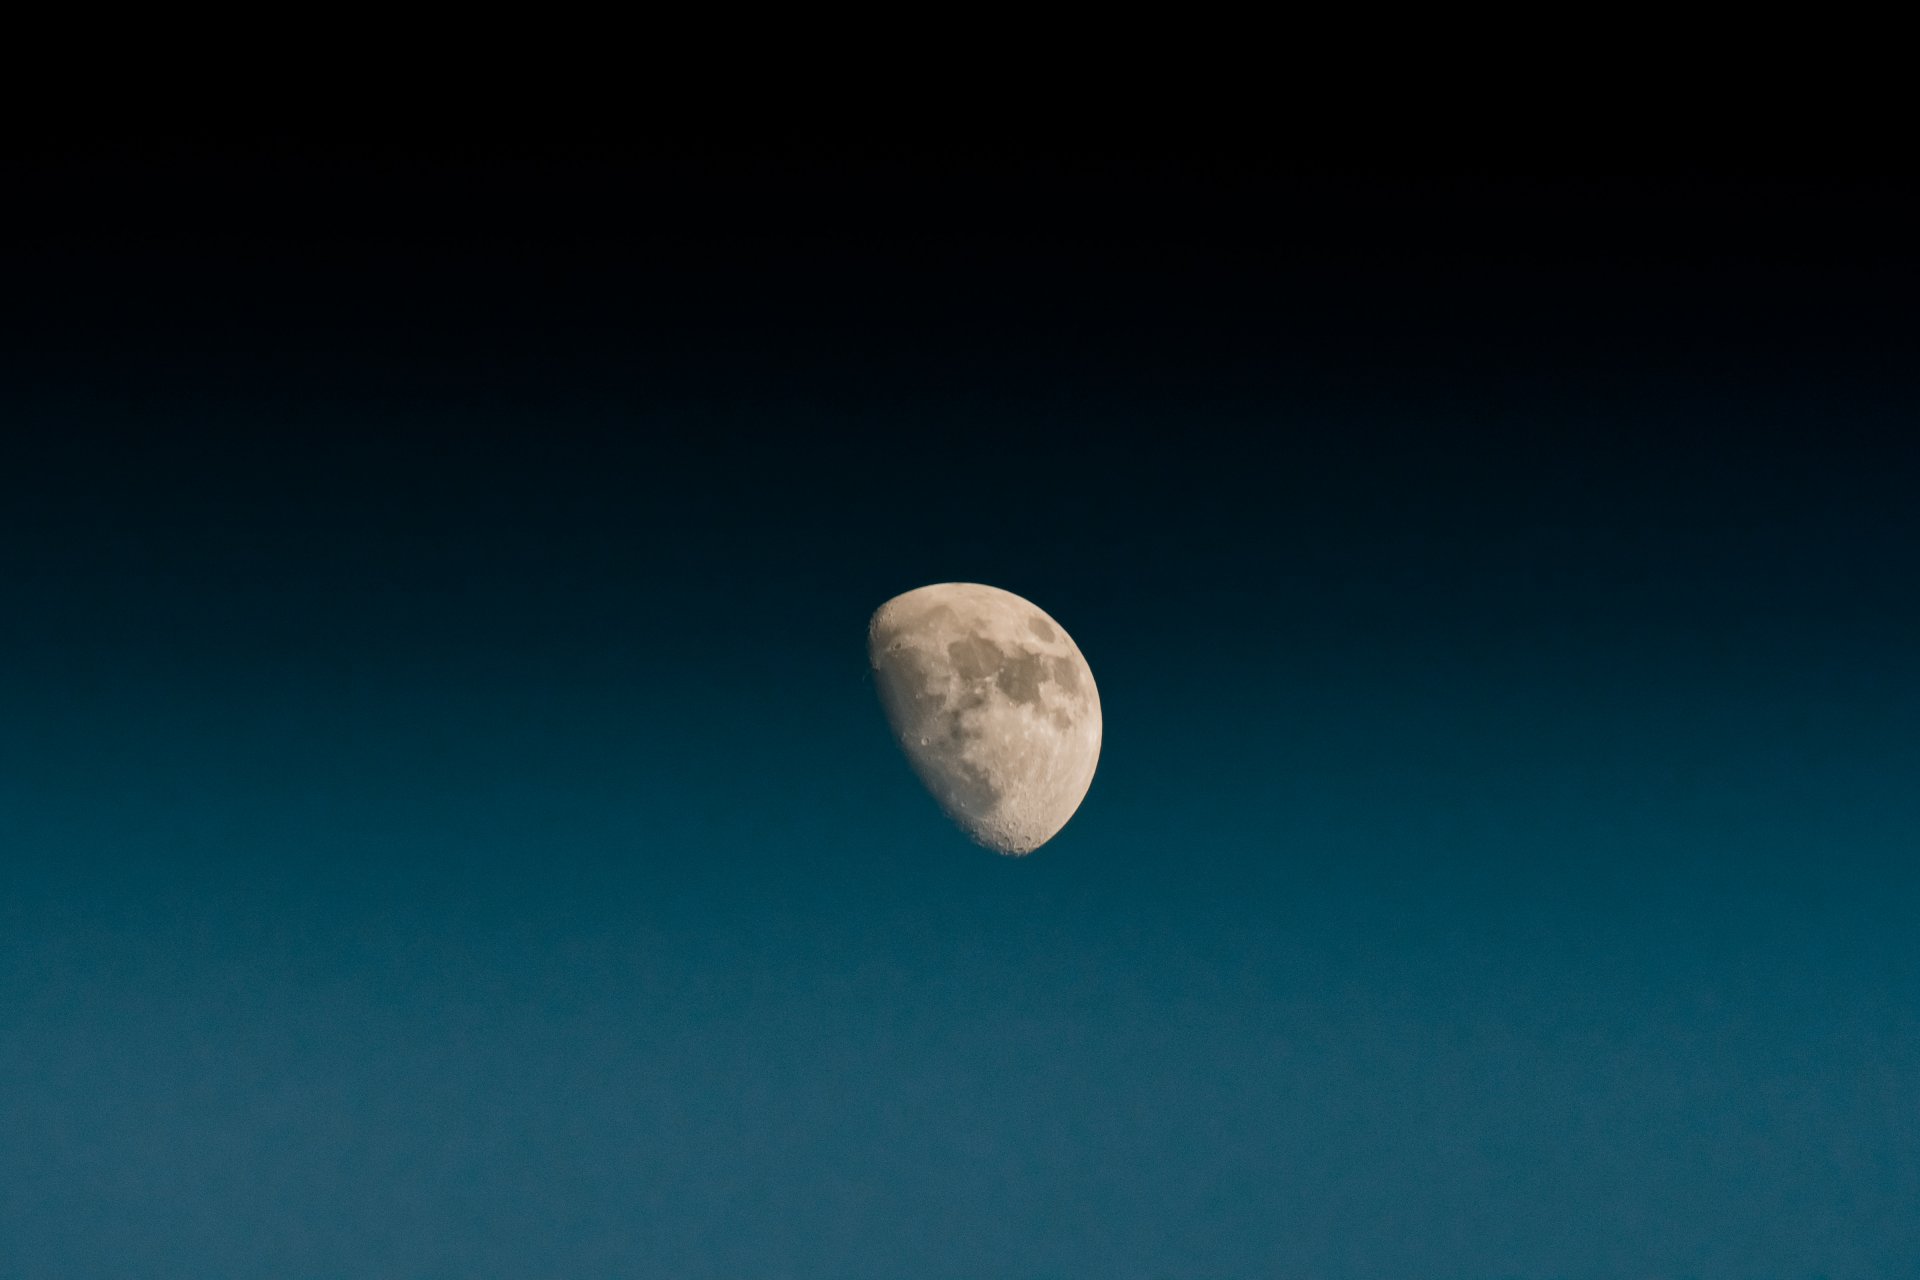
(446, 828)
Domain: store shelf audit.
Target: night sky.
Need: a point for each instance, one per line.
(447, 827)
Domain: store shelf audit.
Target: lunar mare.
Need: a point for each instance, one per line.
(993, 704)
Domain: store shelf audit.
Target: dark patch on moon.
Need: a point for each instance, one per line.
(1018, 673)
(973, 791)
(1020, 676)
(1066, 673)
(1038, 625)
(943, 733)
(974, 657)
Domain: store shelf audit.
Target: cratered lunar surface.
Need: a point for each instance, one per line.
(994, 706)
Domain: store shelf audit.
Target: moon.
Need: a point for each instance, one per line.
(993, 704)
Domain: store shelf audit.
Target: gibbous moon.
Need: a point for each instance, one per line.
(994, 706)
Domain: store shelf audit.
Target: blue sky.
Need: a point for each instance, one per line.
(449, 830)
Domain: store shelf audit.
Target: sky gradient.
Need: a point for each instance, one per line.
(447, 828)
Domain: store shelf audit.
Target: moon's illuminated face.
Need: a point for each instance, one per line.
(994, 706)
